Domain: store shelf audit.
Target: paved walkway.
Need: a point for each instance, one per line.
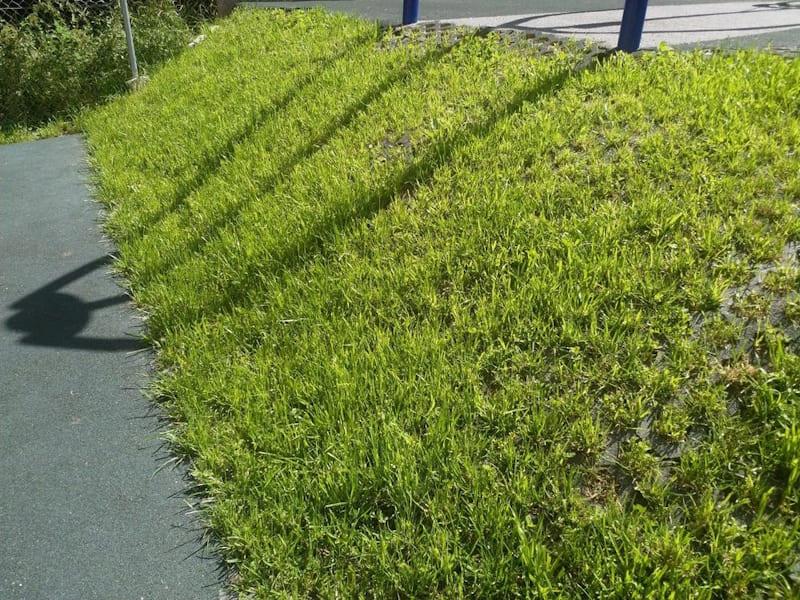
(83, 512)
(677, 22)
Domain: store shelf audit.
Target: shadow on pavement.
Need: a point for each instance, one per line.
(528, 23)
(49, 317)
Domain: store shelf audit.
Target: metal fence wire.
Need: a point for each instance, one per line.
(14, 11)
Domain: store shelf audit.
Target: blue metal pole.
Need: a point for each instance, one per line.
(630, 31)
(410, 12)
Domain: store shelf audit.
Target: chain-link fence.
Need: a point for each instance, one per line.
(14, 11)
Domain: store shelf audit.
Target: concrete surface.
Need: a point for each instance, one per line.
(676, 22)
(84, 511)
(676, 25)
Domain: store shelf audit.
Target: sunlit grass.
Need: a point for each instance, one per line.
(453, 318)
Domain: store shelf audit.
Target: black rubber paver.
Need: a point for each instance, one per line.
(84, 511)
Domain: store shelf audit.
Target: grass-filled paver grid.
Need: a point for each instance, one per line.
(450, 317)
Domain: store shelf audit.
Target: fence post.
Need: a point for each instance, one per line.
(410, 12)
(630, 31)
(126, 23)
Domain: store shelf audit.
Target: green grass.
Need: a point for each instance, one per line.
(444, 319)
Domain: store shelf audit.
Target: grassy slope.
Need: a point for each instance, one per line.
(430, 315)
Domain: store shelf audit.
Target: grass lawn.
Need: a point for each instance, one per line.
(444, 316)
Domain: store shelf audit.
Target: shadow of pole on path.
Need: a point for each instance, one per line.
(50, 317)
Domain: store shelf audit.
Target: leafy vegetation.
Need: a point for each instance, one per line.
(444, 315)
(61, 58)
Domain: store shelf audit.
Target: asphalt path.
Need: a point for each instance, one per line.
(88, 507)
